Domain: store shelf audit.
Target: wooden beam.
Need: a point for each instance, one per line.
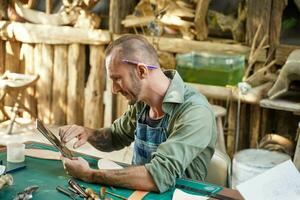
(60, 80)
(283, 51)
(37, 33)
(223, 93)
(200, 19)
(178, 45)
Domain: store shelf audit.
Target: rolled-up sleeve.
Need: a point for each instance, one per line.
(192, 132)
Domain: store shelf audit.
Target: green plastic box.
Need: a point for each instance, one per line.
(209, 68)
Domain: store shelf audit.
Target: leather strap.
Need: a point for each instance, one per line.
(137, 195)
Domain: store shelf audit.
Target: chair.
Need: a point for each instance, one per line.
(219, 169)
(13, 85)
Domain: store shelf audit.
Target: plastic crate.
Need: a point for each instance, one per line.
(212, 69)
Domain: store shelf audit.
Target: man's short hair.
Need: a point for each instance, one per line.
(134, 47)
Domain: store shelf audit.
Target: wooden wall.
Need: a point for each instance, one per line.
(73, 87)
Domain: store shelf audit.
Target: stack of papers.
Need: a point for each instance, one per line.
(281, 182)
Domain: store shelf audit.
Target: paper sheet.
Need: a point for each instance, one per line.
(179, 195)
(108, 164)
(279, 183)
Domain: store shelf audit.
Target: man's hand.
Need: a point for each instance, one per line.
(78, 168)
(70, 132)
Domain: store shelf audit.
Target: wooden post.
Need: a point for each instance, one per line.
(283, 122)
(255, 115)
(109, 109)
(231, 127)
(12, 62)
(2, 57)
(265, 122)
(258, 12)
(118, 10)
(49, 6)
(275, 21)
(94, 107)
(75, 89)
(44, 67)
(60, 80)
(12, 56)
(243, 139)
(29, 96)
(200, 19)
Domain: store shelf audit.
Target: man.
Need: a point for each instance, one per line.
(171, 124)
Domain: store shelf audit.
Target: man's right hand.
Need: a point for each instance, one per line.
(69, 132)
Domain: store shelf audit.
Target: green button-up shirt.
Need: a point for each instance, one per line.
(191, 134)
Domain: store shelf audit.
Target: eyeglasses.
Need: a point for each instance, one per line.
(139, 63)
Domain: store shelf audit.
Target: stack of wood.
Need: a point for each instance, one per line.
(161, 17)
(74, 13)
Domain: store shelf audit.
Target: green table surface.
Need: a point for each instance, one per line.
(48, 174)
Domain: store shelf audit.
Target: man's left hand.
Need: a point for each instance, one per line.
(78, 168)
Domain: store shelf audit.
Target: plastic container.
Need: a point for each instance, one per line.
(212, 69)
(249, 163)
(15, 152)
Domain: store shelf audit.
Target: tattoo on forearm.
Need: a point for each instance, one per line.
(102, 139)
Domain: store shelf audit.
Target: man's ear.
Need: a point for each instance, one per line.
(142, 71)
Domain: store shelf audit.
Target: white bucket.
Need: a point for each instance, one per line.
(249, 163)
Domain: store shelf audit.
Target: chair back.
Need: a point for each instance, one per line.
(219, 169)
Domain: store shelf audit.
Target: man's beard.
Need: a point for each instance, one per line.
(136, 90)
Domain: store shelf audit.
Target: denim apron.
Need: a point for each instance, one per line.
(147, 139)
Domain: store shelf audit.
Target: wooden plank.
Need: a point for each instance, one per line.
(283, 51)
(258, 12)
(47, 34)
(2, 57)
(281, 104)
(60, 80)
(75, 89)
(118, 9)
(44, 85)
(94, 107)
(222, 93)
(200, 19)
(30, 100)
(255, 116)
(178, 45)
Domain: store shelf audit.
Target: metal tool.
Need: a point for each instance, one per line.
(67, 192)
(27, 193)
(77, 187)
(116, 195)
(204, 192)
